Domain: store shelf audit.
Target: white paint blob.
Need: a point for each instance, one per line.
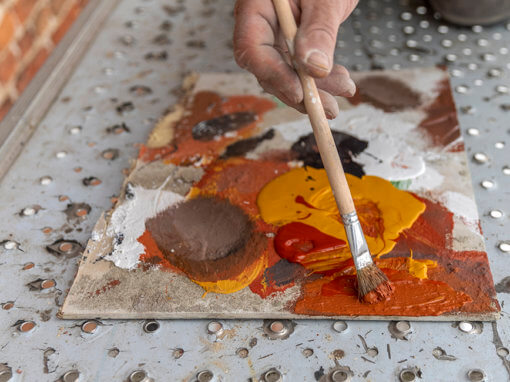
(127, 222)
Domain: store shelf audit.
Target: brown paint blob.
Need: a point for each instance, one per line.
(206, 238)
(386, 93)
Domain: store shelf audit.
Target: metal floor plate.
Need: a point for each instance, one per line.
(129, 76)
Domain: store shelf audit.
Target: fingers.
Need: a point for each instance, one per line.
(338, 82)
(254, 49)
(316, 37)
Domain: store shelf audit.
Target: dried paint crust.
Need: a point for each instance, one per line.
(270, 243)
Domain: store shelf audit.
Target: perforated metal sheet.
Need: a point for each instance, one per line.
(127, 54)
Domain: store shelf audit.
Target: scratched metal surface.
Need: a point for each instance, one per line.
(196, 36)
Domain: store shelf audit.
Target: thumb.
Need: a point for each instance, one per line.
(316, 37)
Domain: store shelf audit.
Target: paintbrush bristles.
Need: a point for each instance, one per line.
(373, 285)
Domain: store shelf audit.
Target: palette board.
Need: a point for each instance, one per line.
(227, 211)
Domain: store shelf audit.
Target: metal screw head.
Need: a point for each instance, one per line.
(278, 329)
(89, 326)
(205, 376)
(462, 89)
(340, 326)
(407, 375)
(465, 326)
(339, 376)
(504, 246)
(26, 326)
(150, 326)
(215, 327)
(242, 352)
(272, 375)
(71, 376)
(476, 375)
(138, 376)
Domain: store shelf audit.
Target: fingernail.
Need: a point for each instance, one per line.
(318, 59)
(350, 87)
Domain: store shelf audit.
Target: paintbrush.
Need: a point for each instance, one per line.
(373, 285)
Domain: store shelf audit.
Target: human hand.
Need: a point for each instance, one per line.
(259, 47)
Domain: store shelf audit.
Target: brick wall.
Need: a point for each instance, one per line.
(29, 30)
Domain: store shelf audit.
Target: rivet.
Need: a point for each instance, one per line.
(26, 326)
(456, 73)
(462, 89)
(138, 376)
(372, 352)
(272, 375)
(503, 50)
(71, 376)
(421, 10)
(488, 57)
(496, 214)
(277, 327)
(506, 170)
(339, 376)
(477, 28)
(150, 326)
(113, 352)
(45, 180)
(499, 145)
(408, 29)
(462, 37)
(178, 353)
(5, 374)
(495, 72)
(482, 42)
(480, 157)
(473, 131)
(8, 305)
(89, 326)
(205, 376)
(394, 52)
(450, 57)
(468, 109)
(9, 244)
(472, 66)
(443, 29)
(28, 211)
(406, 16)
(28, 266)
(215, 327)
(407, 375)
(478, 82)
(242, 352)
(91, 181)
(46, 284)
(66, 247)
(502, 89)
(75, 130)
(467, 51)
(502, 351)
(424, 24)
(61, 154)
(110, 154)
(438, 352)
(465, 326)
(487, 184)
(413, 57)
(504, 246)
(403, 326)
(411, 44)
(340, 326)
(307, 352)
(476, 375)
(446, 43)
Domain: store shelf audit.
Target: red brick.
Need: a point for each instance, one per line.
(7, 27)
(42, 20)
(26, 42)
(31, 69)
(7, 67)
(67, 21)
(23, 9)
(56, 6)
(4, 108)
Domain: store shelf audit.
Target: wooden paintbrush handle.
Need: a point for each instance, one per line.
(315, 110)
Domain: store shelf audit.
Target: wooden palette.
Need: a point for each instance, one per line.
(227, 212)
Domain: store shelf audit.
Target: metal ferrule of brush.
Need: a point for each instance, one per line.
(359, 248)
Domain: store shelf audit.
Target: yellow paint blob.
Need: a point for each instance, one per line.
(304, 195)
